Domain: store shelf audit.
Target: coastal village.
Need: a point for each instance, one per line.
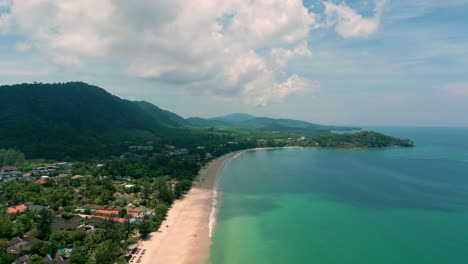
(81, 215)
(82, 219)
(128, 204)
(67, 212)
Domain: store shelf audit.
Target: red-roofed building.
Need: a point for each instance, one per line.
(27, 175)
(135, 214)
(19, 208)
(41, 181)
(107, 212)
(9, 168)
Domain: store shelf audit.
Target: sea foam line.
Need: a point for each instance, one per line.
(214, 199)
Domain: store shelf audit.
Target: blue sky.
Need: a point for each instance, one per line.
(373, 62)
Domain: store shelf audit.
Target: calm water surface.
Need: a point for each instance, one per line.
(335, 207)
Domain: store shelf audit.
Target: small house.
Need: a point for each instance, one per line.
(9, 168)
(48, 259)
(34, 207)
(17, 209)
(22, 260)
(41, 181)
(61, 223)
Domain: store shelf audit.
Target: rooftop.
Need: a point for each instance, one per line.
(19, 208)
(9, 168)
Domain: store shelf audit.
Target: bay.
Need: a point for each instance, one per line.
(393, 205)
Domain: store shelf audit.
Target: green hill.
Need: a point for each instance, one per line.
(82, 121)
(162, 116)
(203, 122)
(74, 119)
(235, 118)
(264, 124)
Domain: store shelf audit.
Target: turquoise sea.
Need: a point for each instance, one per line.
(384, 206)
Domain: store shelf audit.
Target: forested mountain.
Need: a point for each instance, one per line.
(81, 121)
(253, 123)
(162, 116)
(78, 120)
(234, 118)
(204, 122)
(73, 119)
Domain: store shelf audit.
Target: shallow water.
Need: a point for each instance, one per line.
(332, 206)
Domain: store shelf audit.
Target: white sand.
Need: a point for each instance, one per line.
(183, 237)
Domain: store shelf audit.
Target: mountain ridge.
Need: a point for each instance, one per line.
(234, 117)
(243, 121)
(75, 119)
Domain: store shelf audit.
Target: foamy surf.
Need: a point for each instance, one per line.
(213, 213)
(214, 200)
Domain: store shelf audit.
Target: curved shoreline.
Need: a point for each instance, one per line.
(185, 236)
(214, 199)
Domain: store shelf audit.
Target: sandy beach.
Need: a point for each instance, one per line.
(183, 237)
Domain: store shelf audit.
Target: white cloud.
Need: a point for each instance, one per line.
(279, 91)
(282, 56)
(296, 84)
(208, 46)
(74, 26)
(349, 23)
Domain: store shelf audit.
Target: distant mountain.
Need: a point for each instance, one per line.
(235, 118)
(203, 122)
(253, 123)
(79, 121)
(265, 123)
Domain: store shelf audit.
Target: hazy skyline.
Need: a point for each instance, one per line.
(375, 62)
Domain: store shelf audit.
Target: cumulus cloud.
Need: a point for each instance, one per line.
(208, 46)
(229, 49)
(349, 23)
(295, 84)
(282, 56)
